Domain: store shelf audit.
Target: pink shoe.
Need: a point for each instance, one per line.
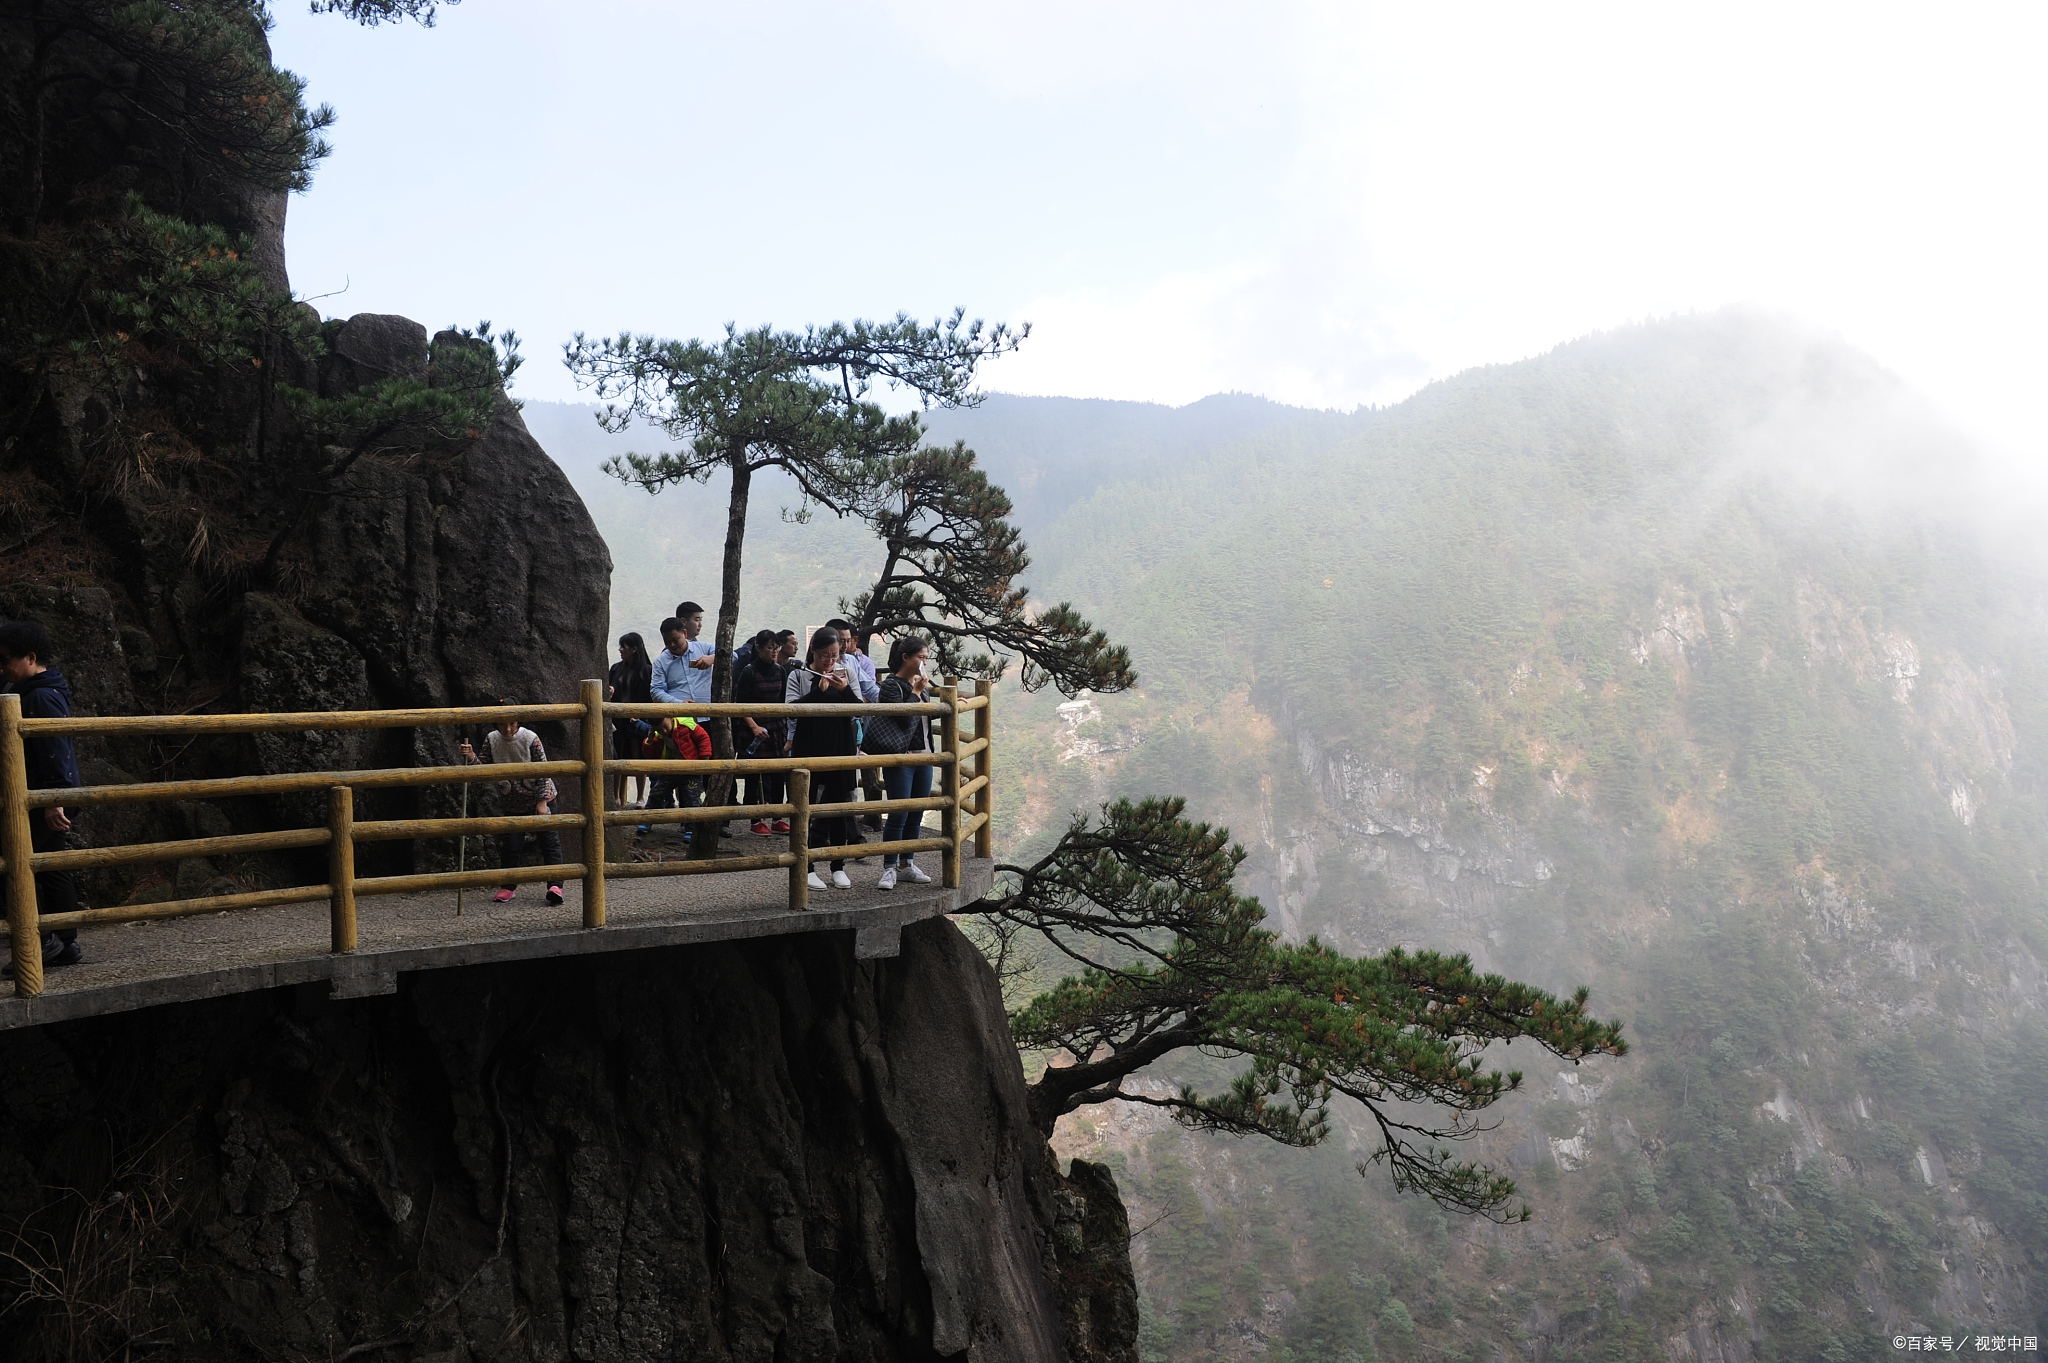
(554, 894)
(502, 896)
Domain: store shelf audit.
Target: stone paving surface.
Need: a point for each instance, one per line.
(139, 965)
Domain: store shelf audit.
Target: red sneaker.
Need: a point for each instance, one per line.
(782, 825)
(761, 828)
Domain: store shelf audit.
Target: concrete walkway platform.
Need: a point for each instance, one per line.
(142, 965)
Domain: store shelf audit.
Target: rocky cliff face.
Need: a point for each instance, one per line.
(760, 1150)
(411, 581)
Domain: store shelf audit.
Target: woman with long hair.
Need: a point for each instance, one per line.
(631, 676)
(906, 684)
(825, 679)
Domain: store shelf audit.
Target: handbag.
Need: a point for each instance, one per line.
(894, 733)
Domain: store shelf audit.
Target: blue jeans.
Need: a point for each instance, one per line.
(679, 792)
(901, 825)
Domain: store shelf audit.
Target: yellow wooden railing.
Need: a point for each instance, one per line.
(964, 803)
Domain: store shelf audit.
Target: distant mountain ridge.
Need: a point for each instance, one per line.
(1049, 453)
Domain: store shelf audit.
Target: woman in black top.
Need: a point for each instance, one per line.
(630, 677)
(761, 682)
(825, 679)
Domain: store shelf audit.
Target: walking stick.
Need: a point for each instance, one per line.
(462, 847)
(462, 850)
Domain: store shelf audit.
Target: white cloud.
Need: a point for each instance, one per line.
(1328, 204)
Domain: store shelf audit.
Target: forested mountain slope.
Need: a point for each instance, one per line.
(1643, 664)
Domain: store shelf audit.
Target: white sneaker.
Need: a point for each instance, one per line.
(816, 883)
(841, 881)
(888, 880)
(915, 874)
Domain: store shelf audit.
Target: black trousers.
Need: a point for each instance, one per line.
(56, 891)
(762, 787)
(510, 847)
(833, 830)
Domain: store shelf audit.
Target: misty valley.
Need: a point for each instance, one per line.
(1592, 668)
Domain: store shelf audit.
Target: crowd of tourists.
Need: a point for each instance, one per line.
(773, 667)
(777, 667)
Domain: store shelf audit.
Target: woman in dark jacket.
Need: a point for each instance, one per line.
(630, 677)
(906, 684)
(824, 679)
(761, 682)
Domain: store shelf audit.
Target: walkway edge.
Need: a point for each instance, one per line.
(370, 971)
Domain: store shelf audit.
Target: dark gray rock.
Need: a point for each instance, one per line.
(1091, 1271)
(755, 1150)
(290, 664)
(486, 579)
(370, 347)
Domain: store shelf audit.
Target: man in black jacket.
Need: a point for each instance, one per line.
(24, 650)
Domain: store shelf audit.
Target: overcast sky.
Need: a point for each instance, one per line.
(1323, 204)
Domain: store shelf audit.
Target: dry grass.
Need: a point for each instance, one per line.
(90, 1271)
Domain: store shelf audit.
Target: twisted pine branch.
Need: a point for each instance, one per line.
(1172, 957)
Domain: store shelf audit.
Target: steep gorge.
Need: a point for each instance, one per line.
(1673, 662)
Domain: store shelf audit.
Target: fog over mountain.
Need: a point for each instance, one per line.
(1677, 662)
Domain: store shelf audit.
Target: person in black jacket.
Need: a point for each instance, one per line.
(760, 681)
(630, 678)
(825, 679)
(24, 653)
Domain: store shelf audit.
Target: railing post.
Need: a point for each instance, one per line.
(984, 767)
(18, 846)
(341, 867)
(949, 817)
(594, 784)
(800, 840)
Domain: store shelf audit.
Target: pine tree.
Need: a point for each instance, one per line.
(950, 569)
(1171, 957)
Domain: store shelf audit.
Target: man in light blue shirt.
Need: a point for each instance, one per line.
(682, 674)
(682, 671)
(863, 666)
